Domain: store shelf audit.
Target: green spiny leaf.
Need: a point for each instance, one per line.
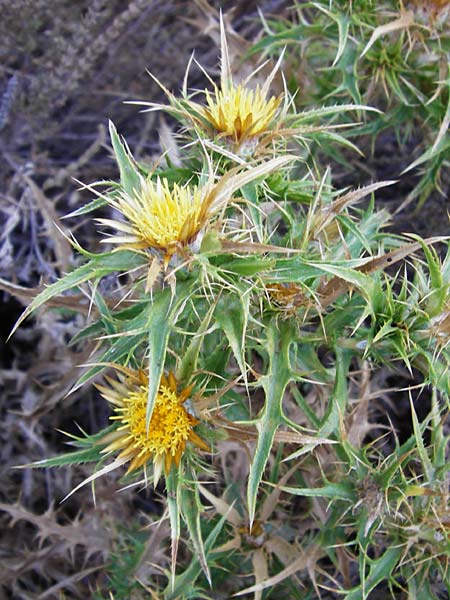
(129, 175)
(186, 580)
(173, 504)
(90, 206)
(192, 507)
(274, 383)
(439, 291)
(341, 491)
(96, 268)
(380, 570)
(188, 362)
(338, 400)
(161, 316)
(118, 353)
(421, 450)
(90, 452)
(232, 316)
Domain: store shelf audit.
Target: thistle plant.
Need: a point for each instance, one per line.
(244, 307)
(392, 55)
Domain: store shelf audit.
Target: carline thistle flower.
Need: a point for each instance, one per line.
(171, 426)
(243, 114)
(160, 216)
(240, 113)
(170, 217)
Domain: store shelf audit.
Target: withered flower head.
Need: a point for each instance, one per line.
(288, 297)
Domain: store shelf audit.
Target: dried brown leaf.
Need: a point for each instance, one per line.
(286, 552)
(222, 507)
(328, 213)
(62, 247)
(74, 534)
(25, 295)
(260, 569)
(306, 560)
(335, 287)
(403, 22)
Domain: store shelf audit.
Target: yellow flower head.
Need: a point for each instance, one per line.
(159, 216)
(169, 218)
(239, 112)
(171, 425)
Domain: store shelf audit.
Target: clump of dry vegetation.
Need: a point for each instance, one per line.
(234, 373)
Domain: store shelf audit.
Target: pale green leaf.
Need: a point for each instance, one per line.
(192, 507)
(129, 174)
(161, 318)
(274, 384)
(232, 316)
(96, 268)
